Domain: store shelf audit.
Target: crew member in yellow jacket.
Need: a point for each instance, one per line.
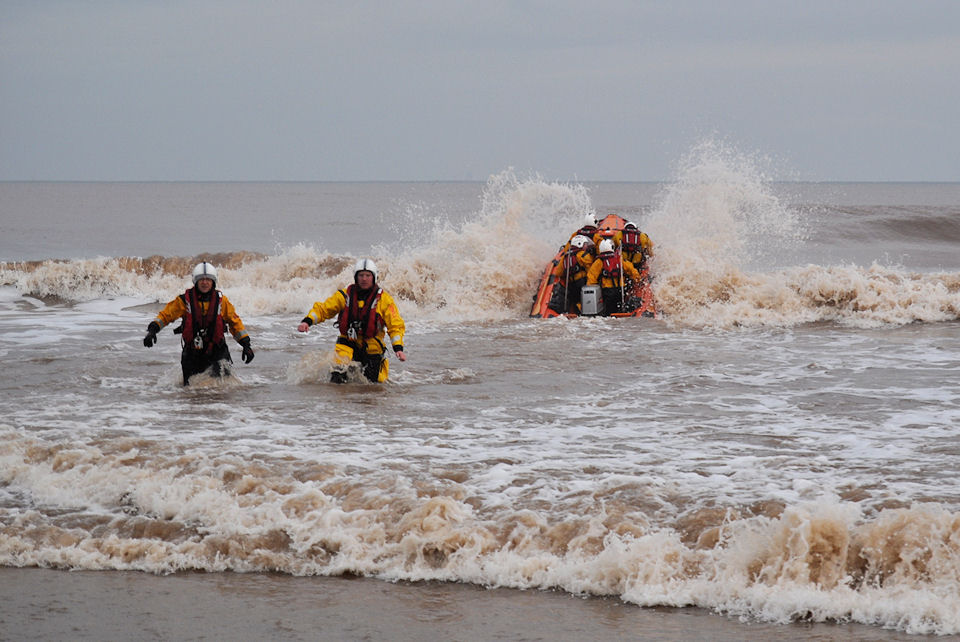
(206, 314)
(570, 274)
(615, 277)
(635, 246)
(365, 311)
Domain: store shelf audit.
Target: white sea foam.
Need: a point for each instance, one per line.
(820, 559)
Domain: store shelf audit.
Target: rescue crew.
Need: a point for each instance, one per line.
(615, 276)
(364, 311)
(206, 316)
(636, 246)
(570, 275)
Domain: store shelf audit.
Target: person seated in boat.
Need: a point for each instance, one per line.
(570, 275)
(635, 246)
(588, 229)
(206, 315)
(616, 278)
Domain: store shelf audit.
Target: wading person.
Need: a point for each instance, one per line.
(364, 311)
(206, 315)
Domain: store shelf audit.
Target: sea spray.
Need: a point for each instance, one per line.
(720, 233)
(486, 268)
(719, 230)
(721, 211)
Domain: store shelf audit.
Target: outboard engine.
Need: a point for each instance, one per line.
(591, 303)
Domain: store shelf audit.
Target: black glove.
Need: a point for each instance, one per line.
(151, 337)
(247, 355)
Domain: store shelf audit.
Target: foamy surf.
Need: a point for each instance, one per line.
(487, 269)
(820, 561)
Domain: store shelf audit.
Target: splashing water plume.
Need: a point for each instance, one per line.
(487, 269)
(718, 229)
(720, 212)
(714, 230)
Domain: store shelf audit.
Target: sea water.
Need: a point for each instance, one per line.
(781, 446)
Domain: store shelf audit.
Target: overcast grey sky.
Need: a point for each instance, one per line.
(447, 90)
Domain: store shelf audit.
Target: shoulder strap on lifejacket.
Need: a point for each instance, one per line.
(611, 265)
(631, 238)
(343, 320)
(363, 321)
(210, 324)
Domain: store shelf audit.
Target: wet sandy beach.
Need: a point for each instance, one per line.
(109, 605)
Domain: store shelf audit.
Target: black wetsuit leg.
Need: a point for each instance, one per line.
(371, 367)
(196, 361)
(573, 299)
(556, 298)
(612, 301)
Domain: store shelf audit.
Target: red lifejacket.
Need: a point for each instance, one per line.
(366, 321)
(586, 230)
(631, 238)
(209, 327)
(611, 265)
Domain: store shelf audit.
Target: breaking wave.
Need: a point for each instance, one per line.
(719, 232)
(820, 561)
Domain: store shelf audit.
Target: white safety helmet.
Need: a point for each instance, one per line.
(579, 241)
(606, 245)
(590, 219)
(204, 271)
(365, 264)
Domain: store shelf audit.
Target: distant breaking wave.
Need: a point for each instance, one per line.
(289, 283)
(714, 229)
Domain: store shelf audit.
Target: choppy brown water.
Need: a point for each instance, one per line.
(780, 448)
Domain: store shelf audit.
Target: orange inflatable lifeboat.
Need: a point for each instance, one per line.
(641, 294)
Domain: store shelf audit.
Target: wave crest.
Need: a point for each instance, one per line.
(718, 232)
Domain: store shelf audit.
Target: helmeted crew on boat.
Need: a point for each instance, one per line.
(635, 246)
(571, 275)
(588, 229)
(615, 277)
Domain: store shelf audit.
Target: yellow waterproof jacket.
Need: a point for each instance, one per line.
(177, 309)
(636, 257)
(595, 275)
(613, 235)
(646, 244)
(584, 261)
(387, 311)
